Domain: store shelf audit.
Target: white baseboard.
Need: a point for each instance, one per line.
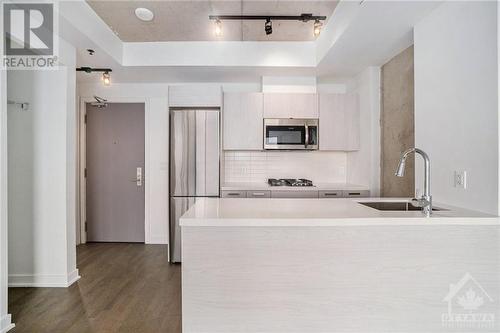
(157, 240)
(43, 281)
(6, 323)
(73, 277)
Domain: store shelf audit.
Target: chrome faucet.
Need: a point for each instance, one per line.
(426, 200)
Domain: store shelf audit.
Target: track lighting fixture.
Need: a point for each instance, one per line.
(268, 27)
(218, 28)
(317, 28)
(106, 77)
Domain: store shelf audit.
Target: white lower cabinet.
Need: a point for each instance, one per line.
(356, 194)
(294, 194)
(258, 194)
(330, 194)
(234, 194)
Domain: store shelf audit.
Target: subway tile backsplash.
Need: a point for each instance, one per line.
(258, 166)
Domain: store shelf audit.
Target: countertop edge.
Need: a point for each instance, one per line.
(316, 187)
(340, 222)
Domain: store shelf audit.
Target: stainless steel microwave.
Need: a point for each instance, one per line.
(291, 134)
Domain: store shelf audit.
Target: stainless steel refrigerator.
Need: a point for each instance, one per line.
(194, 165)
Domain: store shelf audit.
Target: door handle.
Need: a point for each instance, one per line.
(138, 177)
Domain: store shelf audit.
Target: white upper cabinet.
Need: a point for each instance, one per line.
(195, 96)
(290, 105)
(339, 122)
(243, 121)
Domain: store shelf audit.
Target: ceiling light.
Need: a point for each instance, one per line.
(317, 28)
(106, 79)
(144, 14)
(268, 27)
(218, 28)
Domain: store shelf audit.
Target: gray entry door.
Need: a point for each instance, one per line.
(115, 173)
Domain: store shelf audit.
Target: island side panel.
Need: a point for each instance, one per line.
(332, 279)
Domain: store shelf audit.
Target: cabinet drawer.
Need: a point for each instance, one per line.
(294, 194)
(356, 194)
(258, 194)
(330, 194)
(234, 194)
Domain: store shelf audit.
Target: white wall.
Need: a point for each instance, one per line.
(456, 102)
(69, 58)
(363, 166)
(222, 53)
(5, 318)
(41, 173)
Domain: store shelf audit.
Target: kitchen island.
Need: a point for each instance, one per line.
(332, 265)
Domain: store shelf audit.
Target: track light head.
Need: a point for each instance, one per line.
(317, 28)
(268, 27)
(106, 78)
(218, 28)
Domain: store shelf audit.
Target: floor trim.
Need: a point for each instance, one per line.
(155, 239)
(73, 277)
(43, 281)
(6, 323)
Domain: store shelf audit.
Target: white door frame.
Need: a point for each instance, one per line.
(82, 163)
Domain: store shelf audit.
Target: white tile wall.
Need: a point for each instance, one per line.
(320, 167)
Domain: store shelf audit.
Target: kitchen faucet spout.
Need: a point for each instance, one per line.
(426, 200)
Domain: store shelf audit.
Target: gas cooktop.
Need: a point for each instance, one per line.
(289, 182)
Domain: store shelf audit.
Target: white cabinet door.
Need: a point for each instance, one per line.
(243, 121)
(289, 105)
(339, 122)
(195, 95)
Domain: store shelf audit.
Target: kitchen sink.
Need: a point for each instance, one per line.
(395, 206)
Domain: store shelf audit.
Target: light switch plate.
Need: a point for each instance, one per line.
(461, 179)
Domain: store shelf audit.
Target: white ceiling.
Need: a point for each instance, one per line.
(379, 31)
(188, 20)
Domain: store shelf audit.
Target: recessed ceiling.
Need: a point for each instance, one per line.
(188, 20)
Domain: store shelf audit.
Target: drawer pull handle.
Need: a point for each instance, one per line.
(354, 193)
(258, 194)
(234, 194)
(330, 194)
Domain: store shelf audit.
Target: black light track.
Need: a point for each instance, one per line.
(302, 17)
(91, 70)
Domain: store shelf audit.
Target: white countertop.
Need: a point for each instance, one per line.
(320, 212)
(317, 187)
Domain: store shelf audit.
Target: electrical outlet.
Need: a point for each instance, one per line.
(461, 179)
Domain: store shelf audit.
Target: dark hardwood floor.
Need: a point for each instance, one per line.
(123, 288)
